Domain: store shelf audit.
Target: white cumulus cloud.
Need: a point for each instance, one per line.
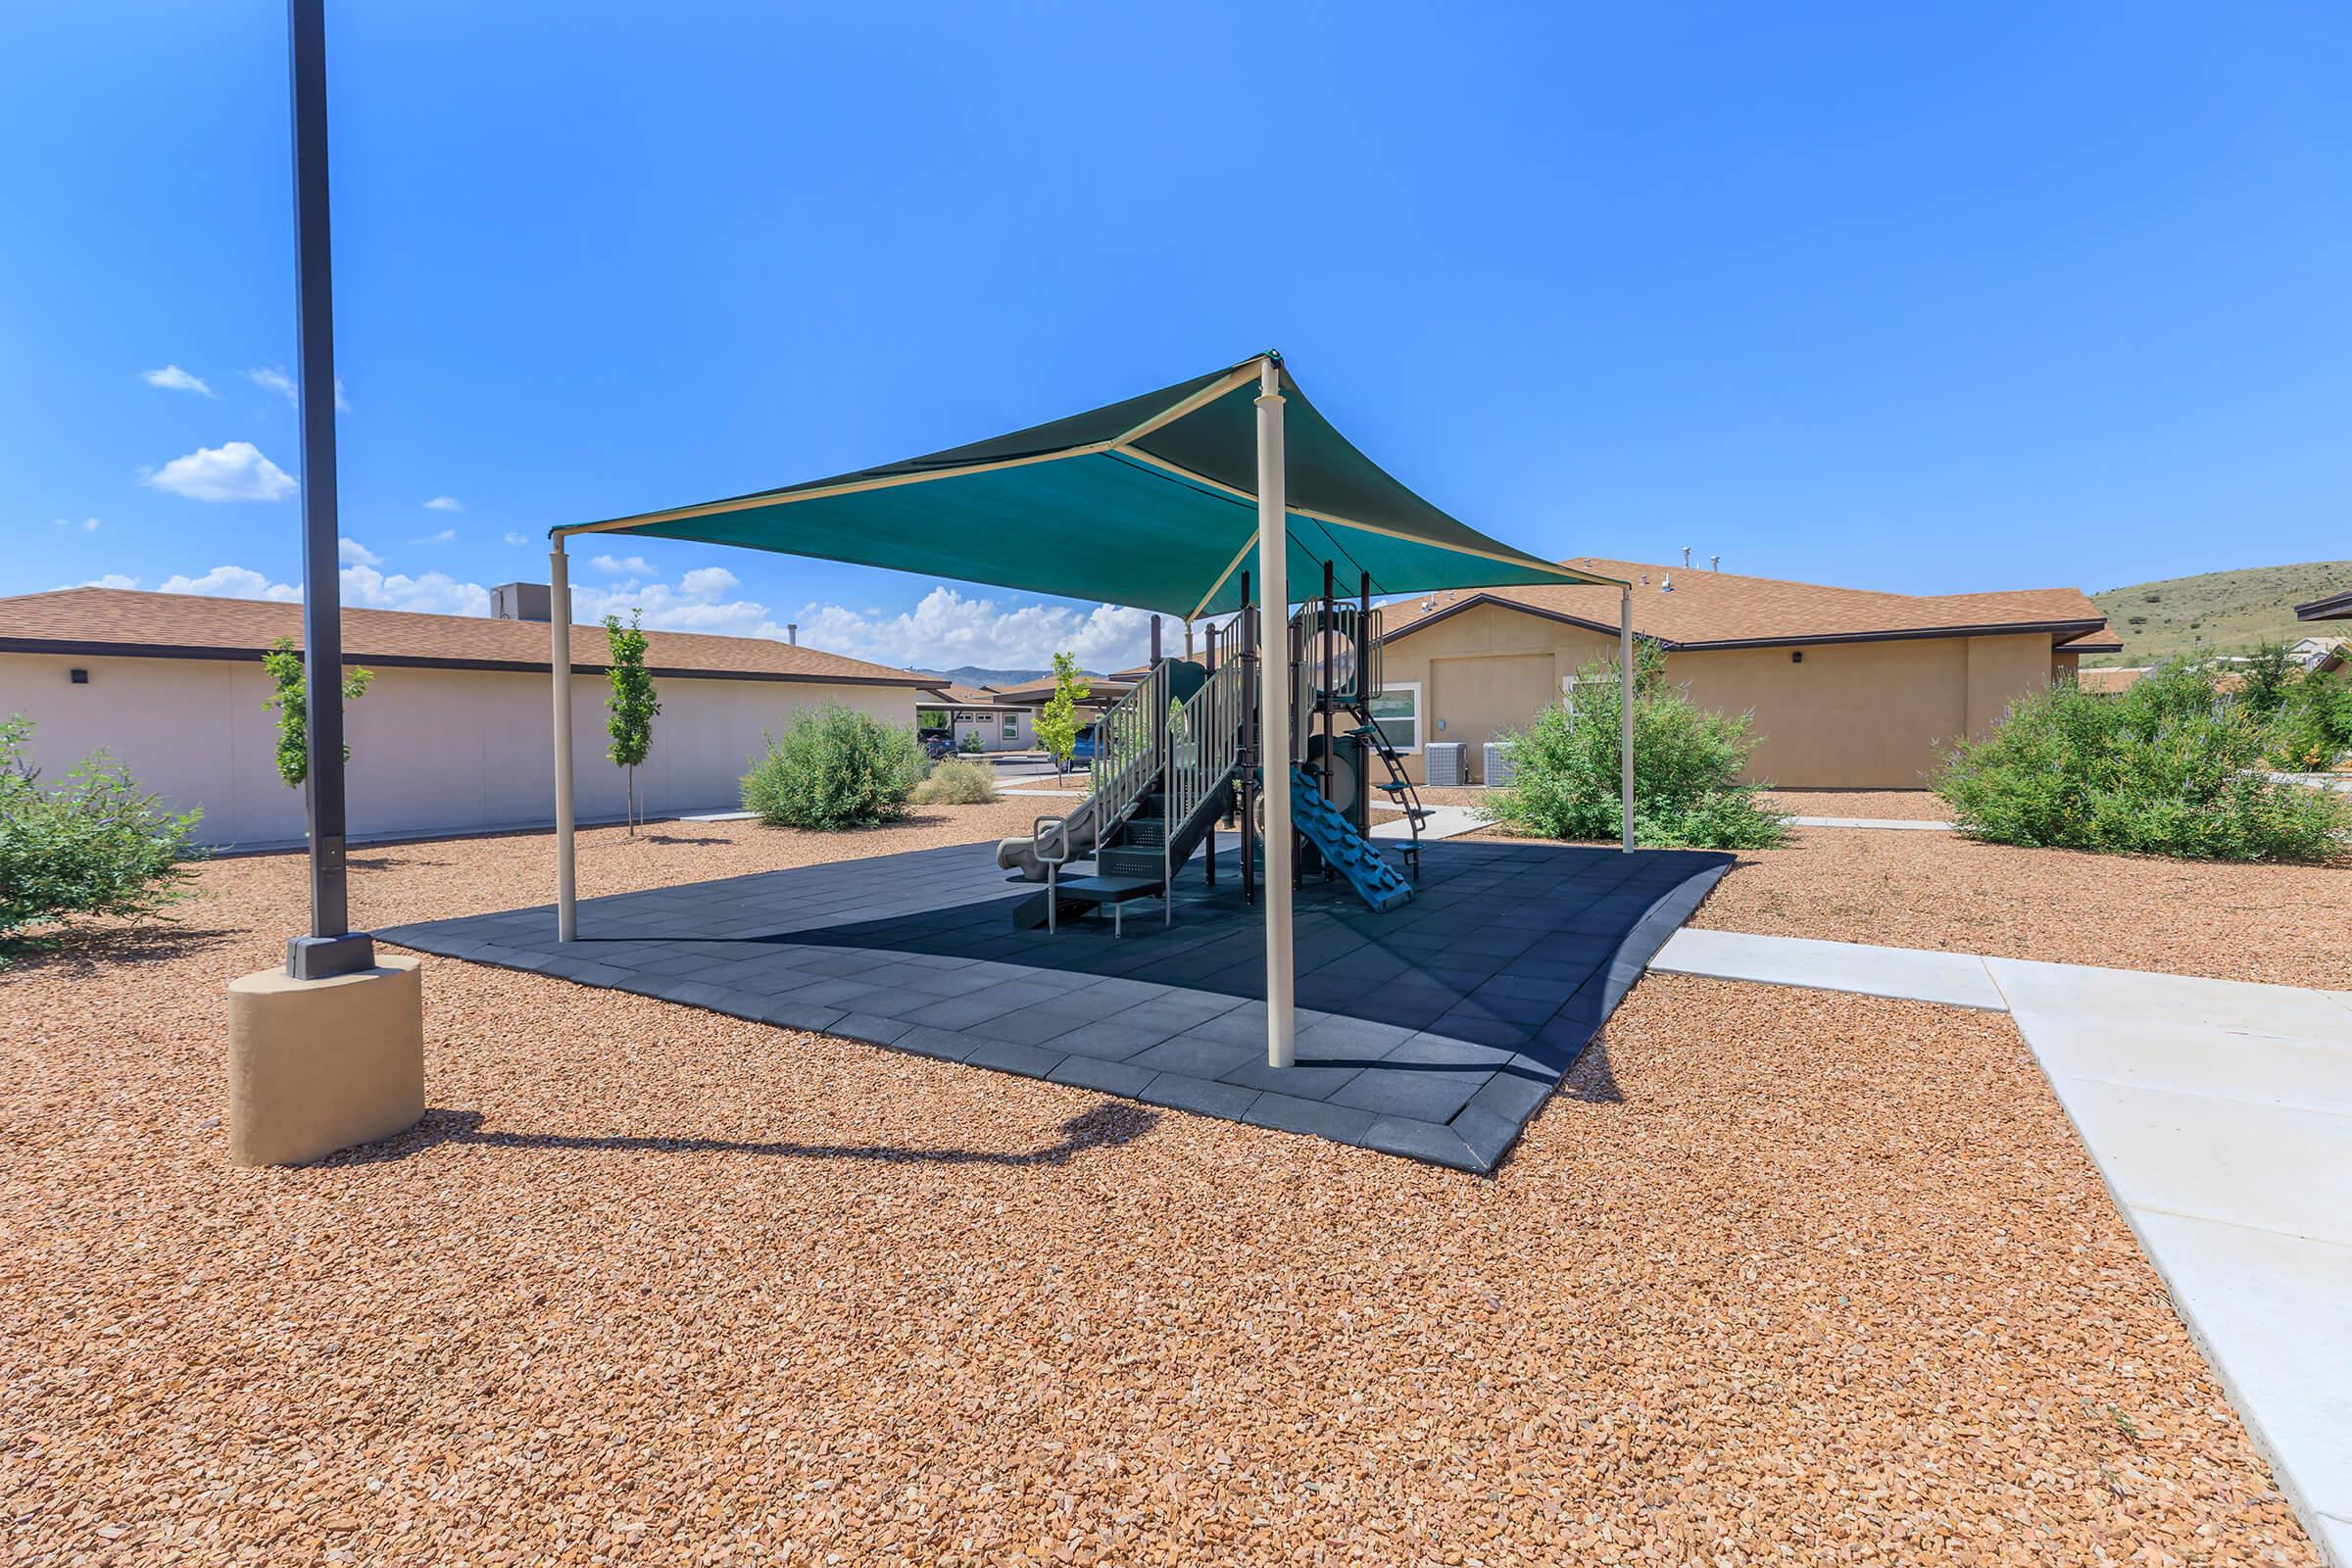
(365, 585)
(231, 583)
(634, 566)
(514, 538)
(443, 504)
(434, 592)
(441, 538)
(697, 602)
(172, 378)
(234, 472)
(947, 629)
(86, 524)
(113, 579)
(708, 582)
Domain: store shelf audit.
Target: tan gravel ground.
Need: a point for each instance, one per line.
(1789, 1276)
(2280, 923)
(1455, 797)
(1902, 805)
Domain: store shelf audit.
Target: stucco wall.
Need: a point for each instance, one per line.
(432, 750)
(1487, 670)
(1847, 715)
(989, 725)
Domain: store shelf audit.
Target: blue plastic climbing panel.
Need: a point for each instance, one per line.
(1376, 881)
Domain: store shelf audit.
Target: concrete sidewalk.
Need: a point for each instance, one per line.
(2220, 1115)
(1441, 822)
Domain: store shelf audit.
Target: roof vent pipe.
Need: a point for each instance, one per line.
(1715, 563)
(1667, 586)
(1686, 557)
(792, 633)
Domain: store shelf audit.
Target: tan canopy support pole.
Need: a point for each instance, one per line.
(559, 664)
(1274, 713)
(1625, 715)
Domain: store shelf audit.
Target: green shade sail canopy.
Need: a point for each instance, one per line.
(1151, 502)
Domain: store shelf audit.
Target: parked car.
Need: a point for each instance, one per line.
(937, 744)
(1082, 750)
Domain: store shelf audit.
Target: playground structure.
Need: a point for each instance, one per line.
(1186, 750)
(1164, 502)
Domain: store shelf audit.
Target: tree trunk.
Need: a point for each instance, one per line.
(632, 803)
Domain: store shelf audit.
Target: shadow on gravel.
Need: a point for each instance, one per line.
(1104, 1127)
(81, 953)
(1591, 1081)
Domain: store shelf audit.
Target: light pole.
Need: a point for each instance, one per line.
(328, 1052)
(331, 948)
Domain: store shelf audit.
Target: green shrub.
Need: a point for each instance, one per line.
(2266, 681)
(2167, 766)
(1686, 769)
(2312, 726)
(834, 768)
(970, 744)
(96, 847)
(956, 782)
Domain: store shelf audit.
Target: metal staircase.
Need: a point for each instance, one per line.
(1397, 786)
(1166, 759)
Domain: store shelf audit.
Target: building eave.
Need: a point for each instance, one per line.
(2328, 607)
(111, 650)
(2058, 631)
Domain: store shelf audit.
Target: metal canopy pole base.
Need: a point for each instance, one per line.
(325, 957)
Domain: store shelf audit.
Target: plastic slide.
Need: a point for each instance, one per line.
(1376, 882)
(1020, 854)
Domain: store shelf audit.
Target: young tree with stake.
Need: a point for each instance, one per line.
(1057, 721)
(632, 703)
(284, 667)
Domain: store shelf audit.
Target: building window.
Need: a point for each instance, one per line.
(1012, 727)
(1399, 710)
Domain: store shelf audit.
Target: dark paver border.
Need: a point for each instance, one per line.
(1435, 1032)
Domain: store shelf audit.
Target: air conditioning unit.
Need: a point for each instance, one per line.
(1501, 763)
(1441, 762)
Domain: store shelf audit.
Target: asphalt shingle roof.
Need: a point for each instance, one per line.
(1722, 608)
(126, 621)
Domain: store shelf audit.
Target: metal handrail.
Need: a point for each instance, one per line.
(1052, 862)
(1205, 743)
(1129, 747)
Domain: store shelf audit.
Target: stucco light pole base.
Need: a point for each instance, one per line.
(317, 1065)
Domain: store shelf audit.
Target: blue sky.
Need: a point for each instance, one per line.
(1928, 298)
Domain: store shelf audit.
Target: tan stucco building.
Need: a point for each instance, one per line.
(1851, 689)
(454, 735)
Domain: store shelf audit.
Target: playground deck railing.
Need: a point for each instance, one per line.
(1130, 749)
(1205, 743)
